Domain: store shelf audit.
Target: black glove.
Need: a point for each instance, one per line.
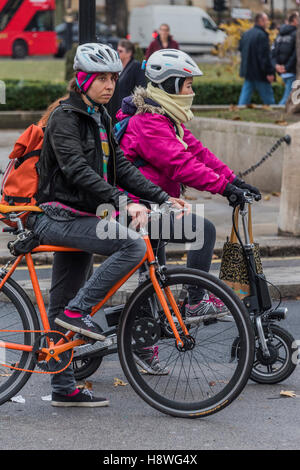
(242, 185)
(235, 195)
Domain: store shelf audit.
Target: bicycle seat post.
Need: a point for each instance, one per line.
(16, 219)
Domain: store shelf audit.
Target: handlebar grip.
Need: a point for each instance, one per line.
(233, 198)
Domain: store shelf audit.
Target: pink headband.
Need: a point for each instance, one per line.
(85, 80)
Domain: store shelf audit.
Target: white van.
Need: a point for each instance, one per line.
(191, 27)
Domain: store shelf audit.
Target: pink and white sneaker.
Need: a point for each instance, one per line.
(209, 308)
(147, 358)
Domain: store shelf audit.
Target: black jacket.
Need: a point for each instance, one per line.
(256, 55)
(131, 77)
(71, 163)
(284, 48)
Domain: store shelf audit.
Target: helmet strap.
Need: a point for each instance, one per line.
(176, 85)
(91, 109)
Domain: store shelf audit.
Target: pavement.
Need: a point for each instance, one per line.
(280, 254)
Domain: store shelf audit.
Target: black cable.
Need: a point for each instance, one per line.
(245, 253)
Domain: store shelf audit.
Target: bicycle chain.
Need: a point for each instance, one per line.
(287, 139)
(36, 362)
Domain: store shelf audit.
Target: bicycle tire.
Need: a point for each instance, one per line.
(21, 316)
(84, 368)
(215, 400)
(278, 368)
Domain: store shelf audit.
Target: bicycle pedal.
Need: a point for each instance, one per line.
(92, 349)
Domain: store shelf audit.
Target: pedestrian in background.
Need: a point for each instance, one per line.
(163, 41)
(132, 74)
(256, 65)
(284, 56)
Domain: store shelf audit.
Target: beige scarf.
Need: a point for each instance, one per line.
(178, 107)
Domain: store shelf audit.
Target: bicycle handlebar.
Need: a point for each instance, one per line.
(250, 198)
(166, 210)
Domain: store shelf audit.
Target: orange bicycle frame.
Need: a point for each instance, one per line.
(61, 346)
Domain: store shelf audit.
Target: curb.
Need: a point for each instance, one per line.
(122, 295)
(172, 253)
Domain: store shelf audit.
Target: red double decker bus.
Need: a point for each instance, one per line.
(27, 28)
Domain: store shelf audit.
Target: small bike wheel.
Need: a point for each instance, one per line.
(85, 367)
(281, 363)
(202, 378)
(16, 314)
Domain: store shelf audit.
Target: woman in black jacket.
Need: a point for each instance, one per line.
(80, 167)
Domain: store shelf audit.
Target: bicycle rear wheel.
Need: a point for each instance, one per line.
(16, 313)
(207, 377)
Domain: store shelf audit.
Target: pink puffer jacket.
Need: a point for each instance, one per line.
(151, 136)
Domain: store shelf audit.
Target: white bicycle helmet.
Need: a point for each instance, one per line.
(167, 63)
(97, 58)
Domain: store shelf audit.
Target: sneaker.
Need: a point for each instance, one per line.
(83, 397)
(222, 311)
(147, 358)
(210, 308)
(203, 310)
(217, 303)
(81, 324)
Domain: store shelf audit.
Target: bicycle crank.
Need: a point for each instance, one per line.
(49, 356)
(46, 356)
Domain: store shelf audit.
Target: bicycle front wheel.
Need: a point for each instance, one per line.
(17, 316)
(280, 364)
(206, 376)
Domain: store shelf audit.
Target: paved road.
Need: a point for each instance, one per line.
(258, 419)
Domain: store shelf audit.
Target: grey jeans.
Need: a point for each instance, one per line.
(73, 284)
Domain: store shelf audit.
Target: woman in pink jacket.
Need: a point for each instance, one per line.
(153, 136)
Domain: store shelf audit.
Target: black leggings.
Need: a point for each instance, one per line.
(201, 233)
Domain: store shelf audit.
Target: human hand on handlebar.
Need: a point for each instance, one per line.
(235, 195)
(139, 214)
(180, 204)
(248, 187)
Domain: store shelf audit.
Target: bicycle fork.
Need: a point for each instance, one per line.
(162, 298)
(259, 299)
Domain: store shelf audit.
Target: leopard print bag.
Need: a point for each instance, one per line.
(233, 270)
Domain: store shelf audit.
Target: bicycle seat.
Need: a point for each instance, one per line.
(7, 209)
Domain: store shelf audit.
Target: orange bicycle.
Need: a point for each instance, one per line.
(201, 377)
